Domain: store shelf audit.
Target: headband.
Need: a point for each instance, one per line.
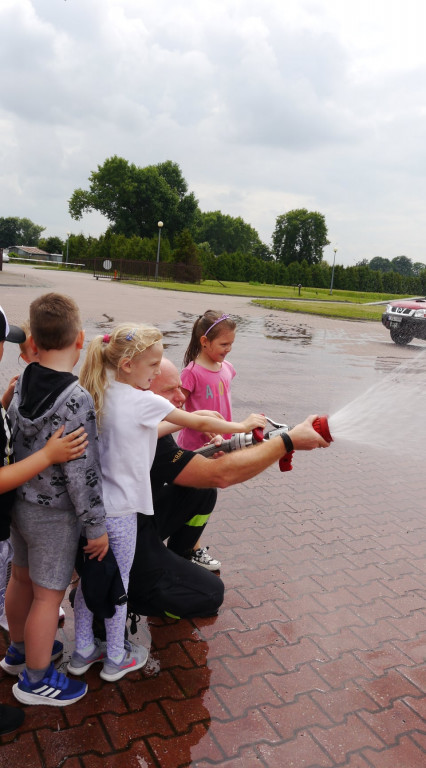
(219, 320)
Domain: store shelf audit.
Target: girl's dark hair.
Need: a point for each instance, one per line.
(207, 323)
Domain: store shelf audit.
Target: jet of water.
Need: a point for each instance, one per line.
(393, 407)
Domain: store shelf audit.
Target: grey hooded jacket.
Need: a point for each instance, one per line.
(44, 400)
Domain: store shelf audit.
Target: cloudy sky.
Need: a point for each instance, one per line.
(267, 105)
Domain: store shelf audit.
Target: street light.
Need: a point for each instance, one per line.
(160, 226)
(332, 271)
(68, 245)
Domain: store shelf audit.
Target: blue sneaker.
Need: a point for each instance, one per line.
(14, 661)
(55, 689)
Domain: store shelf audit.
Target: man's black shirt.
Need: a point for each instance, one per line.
(168, 463)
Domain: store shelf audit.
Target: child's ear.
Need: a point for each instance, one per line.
(203, 340)
(126, 365)
(33, 347)
(80, 340)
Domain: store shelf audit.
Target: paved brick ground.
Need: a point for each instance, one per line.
(316, 659)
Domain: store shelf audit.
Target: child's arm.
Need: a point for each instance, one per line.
(214, 425)
(165, 428)
(57, 450)
(7, 397)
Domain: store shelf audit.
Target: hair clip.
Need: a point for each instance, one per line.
(130, 336)
(106, 339)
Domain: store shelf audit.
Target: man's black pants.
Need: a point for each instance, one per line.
(162, 583)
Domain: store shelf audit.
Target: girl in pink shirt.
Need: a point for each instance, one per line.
(207, 376)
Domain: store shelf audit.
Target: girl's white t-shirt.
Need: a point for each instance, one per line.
(127, 443)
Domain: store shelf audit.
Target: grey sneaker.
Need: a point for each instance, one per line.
(79, 664)
(202, 557)
(134, 659)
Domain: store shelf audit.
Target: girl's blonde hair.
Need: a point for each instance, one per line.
(106, 352)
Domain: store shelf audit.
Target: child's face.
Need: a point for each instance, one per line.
(218, 348)
(142, 369)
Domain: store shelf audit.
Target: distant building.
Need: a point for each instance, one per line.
(33, 253)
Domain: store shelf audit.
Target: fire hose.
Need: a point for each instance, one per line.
(244, 440)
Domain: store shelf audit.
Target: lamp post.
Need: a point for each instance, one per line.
(160, 226)
(68, 245)
(332, 272)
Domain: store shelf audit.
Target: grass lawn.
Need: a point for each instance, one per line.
(351, 305)
(343, 304)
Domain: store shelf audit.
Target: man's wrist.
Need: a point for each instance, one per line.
(288, 442)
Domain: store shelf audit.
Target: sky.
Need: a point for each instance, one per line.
(266, 105)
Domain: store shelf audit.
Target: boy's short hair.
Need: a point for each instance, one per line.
(54, 321)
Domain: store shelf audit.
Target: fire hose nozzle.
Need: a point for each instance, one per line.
(320, 425)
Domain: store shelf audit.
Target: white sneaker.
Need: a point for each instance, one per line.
(202, 557)
(134, 658)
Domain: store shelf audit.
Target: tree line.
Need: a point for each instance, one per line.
(134, 200)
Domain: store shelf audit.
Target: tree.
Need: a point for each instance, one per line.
(418, 267)
(51, 244)
(403, 265)
(134, 199)
(380, 264)
(15, 231)
(227, 234)
(299, 235)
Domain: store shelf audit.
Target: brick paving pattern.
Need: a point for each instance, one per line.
(316, 659)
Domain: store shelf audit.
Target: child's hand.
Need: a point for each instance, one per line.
(7, 397)
(62, 449)
(97, 547)
(253, 421)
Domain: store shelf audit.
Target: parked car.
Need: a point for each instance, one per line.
(406, 320)
(5, 257)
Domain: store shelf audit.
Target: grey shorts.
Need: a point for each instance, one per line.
(45, 541)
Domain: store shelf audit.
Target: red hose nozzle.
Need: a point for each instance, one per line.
(320, 425)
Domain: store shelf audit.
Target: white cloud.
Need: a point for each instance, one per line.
(266, 106)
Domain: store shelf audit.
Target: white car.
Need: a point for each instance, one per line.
(5, 257)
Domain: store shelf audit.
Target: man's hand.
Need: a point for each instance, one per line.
(97, 547)
(304, 436)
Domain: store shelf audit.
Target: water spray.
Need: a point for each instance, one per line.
(240, 441)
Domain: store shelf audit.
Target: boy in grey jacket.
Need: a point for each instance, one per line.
(52, 509)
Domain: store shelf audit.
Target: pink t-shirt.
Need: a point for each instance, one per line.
(209, 390)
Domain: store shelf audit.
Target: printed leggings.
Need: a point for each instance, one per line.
(122, 540)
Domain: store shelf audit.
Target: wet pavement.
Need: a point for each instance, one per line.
(317, 656)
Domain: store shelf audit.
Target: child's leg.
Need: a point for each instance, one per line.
(122, 539)
(83, 621)
(6, 552)
(41, 626)
(19, 597)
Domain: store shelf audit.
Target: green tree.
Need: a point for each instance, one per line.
(15, 231)
(227, 234)
(418, 267)
(380, 264)
(51, 244)
(299, 235)
(134, 199)
(403, 265)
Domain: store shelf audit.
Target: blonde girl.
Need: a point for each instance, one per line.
(118, 371)
(207, 376)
